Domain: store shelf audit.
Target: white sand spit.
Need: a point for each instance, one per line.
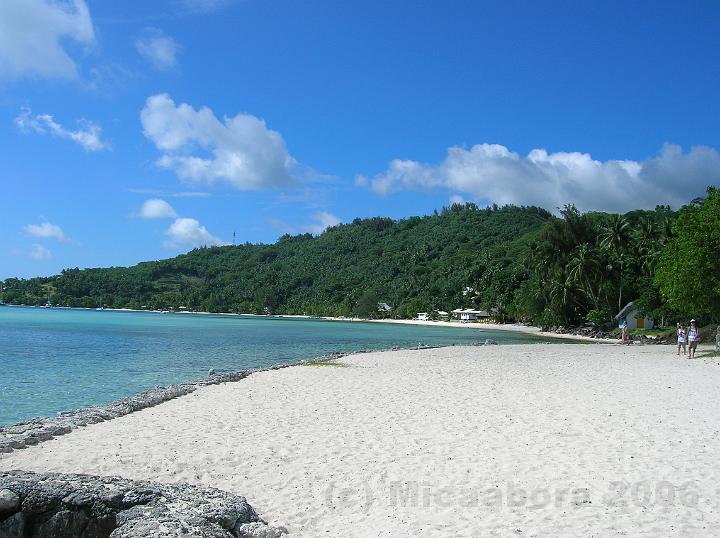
(531, 440)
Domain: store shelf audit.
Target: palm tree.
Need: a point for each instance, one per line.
(648, 245)
(665, 229)
(615, 237)
(651, 258)
(561, 294)
(582, 267)
(646, 233)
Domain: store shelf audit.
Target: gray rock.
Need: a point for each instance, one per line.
(13, 527)
(67, 505)
(9, 502)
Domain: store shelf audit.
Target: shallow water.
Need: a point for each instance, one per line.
(59, 359)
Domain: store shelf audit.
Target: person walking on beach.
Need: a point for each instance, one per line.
(693, 337)
(623, 328)
(681, 337)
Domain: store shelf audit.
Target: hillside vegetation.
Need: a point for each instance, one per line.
(523, 261)
(413, 264)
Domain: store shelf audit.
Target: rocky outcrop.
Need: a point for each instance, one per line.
(708, 334)
(58, 505)
(592, 332)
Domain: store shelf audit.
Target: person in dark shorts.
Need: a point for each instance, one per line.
(682, 338)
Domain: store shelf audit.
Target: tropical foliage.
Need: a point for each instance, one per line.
(688, 273)
(587, 266)
(522, 261)
(415, 264)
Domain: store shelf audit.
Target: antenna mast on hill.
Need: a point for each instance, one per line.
(233, 237)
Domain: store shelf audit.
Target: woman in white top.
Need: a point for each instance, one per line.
(693, 337)
(681, 337)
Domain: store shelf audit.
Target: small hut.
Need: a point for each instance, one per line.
(636, 318)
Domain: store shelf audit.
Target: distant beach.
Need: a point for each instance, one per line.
(549, 440)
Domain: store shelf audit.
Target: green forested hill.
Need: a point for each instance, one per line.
(414, 264)
(521, 260)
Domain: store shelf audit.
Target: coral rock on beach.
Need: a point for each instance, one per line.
(70, 505)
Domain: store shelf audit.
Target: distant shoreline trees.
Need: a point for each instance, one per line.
(522, 261)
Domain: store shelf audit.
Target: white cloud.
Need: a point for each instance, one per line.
(243, 151)
(190, 194)
(321, 222)
(33, 34)
(180, 194)
(160, 49)
(39, 252)
(157, 209)
(202, 6)
(89, 135)
(492, 172)
(186, 232)
(46, 230)
(108, 78)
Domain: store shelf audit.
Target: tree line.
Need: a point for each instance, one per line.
(522, 261)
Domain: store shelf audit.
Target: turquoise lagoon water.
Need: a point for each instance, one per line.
(59, 359)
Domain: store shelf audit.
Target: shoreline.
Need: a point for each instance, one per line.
(39, 428)
(515, 327)
(433, 442)
(36, 430)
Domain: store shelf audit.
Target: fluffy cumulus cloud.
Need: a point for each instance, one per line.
(493, 172)
(199, 147)
(321, 222)
(159, 49)
(34, 35)
(157, 208)
(88, 134)
(39, 252)
(46, 230)
(187, 232)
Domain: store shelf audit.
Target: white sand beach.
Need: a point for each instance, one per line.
(514, 327)
(528, 440)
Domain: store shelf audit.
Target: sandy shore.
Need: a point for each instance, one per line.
(527, 440)
(515, 327)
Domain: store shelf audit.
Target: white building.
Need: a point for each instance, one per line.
(636, 318)
(469, 314)
(423, 316)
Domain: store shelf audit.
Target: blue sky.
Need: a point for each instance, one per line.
(137, 130)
